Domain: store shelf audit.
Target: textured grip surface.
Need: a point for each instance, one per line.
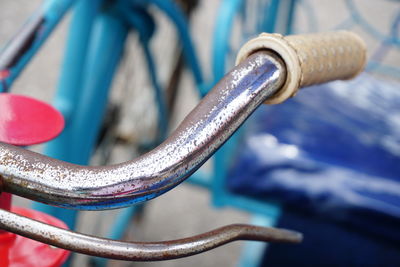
(311, 58)
(328, 56)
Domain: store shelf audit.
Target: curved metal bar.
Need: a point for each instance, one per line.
(23, 46)
(141, 251)
(201, 133)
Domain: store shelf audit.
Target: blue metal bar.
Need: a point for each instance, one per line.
(226, 12)
(222, 32)
(19, 51)
(178, 18)
(285, 16)
(108, 38)
(144, 24)
(201, 178)
(160, 97)
(69, 91)
(270, 18)
(291, 15)
(70, 84)
(68, 95)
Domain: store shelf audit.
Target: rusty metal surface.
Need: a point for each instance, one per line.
(141, 251)
(206, 128)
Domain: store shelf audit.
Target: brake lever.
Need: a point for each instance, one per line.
(141, 251)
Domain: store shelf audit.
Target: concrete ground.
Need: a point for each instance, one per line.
(186, 210)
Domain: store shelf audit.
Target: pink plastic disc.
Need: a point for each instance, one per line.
(26, 121)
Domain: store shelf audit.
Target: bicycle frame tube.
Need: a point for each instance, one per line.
(178, 18)
(69, 93)
(269, 21)
(205, 129)
(18, 52)
(104, 52)
(226, 13)
(141, 21)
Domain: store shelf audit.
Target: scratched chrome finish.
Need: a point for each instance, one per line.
(141, 251)
(202, 132)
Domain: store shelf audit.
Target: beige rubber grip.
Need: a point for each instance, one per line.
(311, 58)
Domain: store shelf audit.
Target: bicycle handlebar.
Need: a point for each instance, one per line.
(261, 75)
(311, 58)
(207, 127)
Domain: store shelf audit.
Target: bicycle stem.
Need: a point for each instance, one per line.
(201, 133)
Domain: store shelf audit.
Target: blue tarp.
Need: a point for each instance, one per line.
(332, 150)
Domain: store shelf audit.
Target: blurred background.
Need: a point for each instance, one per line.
(355, 177)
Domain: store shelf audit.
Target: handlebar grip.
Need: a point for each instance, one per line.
(311, 58)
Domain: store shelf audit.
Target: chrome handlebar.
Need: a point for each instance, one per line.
(201, 133)
(310, 59)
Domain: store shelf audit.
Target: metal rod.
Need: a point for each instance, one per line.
(141, 251)
(201, 133)
(24, 45)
